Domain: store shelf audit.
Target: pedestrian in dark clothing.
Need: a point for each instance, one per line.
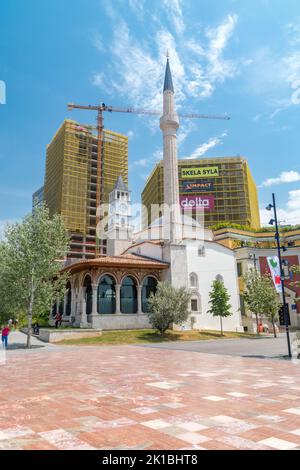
(58, 320)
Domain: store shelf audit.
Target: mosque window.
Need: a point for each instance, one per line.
(193, 280)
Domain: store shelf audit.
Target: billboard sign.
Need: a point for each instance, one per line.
(197, 202)
(197, 186)
(200, 172)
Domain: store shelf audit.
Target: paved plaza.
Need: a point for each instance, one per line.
(132, 397)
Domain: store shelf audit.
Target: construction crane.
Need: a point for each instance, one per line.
(100, 108)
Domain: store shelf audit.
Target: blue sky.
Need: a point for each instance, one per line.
(227, 56)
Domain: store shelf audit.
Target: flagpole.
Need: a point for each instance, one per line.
(285, 313)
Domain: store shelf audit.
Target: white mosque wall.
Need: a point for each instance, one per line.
(215, 260)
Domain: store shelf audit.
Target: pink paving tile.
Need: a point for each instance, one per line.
(105, 403)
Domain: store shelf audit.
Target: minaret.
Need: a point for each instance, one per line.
(169, 124)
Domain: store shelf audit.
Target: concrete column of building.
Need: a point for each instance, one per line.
(118, 299)
(139, 299)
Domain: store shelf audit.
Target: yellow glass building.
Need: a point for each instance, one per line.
(71, 181)
(225, 183)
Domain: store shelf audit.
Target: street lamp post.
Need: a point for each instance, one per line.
(286, 319)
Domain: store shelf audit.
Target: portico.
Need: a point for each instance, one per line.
(110, 292)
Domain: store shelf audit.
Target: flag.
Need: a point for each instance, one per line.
(273, 263)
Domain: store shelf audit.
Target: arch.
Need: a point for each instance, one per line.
(106, 294)
(68, 299)
(219, 277)
(53, 310)
(128, 295)
(149, 285)
(87, 283)
(105, 273)
(193, 280)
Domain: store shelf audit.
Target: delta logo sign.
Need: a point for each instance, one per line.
(197, 202)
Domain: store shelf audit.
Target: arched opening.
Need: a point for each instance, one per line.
(107, 295)
(193, 280)
(68, 300)
(149, 286)
(128, 295)
(53, 311)
(88, 295)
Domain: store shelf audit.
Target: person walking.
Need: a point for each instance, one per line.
(58, 320)
(5, 332)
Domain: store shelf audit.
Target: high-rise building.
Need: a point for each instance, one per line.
(37, 198)
(223, 186)
(74, 179)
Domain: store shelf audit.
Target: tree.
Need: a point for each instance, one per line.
(31, 257)
(167, 306)
(271, 302)
(261, 296)
(219, 301)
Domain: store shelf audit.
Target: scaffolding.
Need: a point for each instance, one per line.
(72, 183)
(234, 191)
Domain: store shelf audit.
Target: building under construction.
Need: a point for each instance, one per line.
(75, 180)
(224, 186)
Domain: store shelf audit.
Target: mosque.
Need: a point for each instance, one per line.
(111, 292)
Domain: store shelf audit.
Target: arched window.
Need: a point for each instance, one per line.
(149, 286)
(193, 280)
(107, 295)
(88, 295)
(68, 300)
(54, 312)
(219, 277)
(128, 295)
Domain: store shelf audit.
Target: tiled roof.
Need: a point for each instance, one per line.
(128, 260)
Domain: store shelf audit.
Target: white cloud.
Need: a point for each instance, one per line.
(284, 177)
(203, 148)
(138, 66)
(142, 162)
(137, 7)
(174, 12)
(130, 134)
(97, 42)
(293, 32)
(98, 79)
(288, 215)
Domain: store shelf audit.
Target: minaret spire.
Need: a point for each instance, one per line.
(169, 124)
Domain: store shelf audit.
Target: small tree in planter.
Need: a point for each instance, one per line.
(167, 306)
(219, 301)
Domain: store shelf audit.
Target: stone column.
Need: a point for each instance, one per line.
(118, 299)
(64, 317)
(94, 315)
(139, 299)
(83, 318)
(73, 305)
